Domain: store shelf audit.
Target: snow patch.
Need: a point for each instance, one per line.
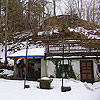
(82, 30)
(7, 72)
(45, 78)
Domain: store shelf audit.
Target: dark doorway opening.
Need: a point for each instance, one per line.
(33, 69)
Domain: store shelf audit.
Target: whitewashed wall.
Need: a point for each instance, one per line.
(75, 65)
(95, 68)
(50, 68)
(76, 68)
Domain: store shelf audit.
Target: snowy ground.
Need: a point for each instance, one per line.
(6, 72)
(13, 90)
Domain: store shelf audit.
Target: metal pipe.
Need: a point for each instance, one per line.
(26, 64)
(62, 64)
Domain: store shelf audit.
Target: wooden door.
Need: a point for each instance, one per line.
(86, 70)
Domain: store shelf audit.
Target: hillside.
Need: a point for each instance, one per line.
(70, 21)
(72, 25)
(55, 27)
(74, 28)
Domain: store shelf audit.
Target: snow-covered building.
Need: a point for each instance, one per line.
(84, 69)
(85, 63)
(82, 54)
(42, 64)
(35, 66)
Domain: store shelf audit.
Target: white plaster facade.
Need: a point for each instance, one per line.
(48, 68)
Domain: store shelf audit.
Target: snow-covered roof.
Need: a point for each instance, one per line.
(35, 52)
(71, 57)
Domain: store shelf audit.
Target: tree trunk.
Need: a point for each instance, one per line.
(29, 10)
(54, 7)
(0, 17)
(6, 32)
(93, 19)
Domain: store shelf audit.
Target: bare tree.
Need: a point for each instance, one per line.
(98, 12)
(79, 5)
(87, 11)
(6, 33)
(70, 5)
(54, 7)
(93, 12)
(0, 15)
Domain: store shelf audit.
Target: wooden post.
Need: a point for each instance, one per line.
(62, 64)
(15, 68)
(43, 68)
(46, 68)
